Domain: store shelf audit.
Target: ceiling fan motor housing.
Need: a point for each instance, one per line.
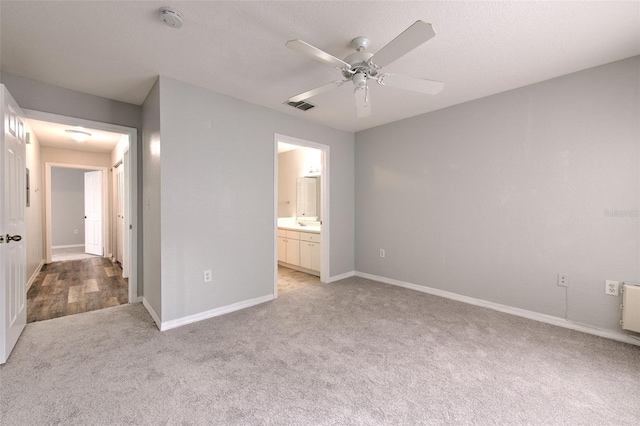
(359, 63)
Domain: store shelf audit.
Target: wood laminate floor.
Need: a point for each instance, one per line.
(76, 286)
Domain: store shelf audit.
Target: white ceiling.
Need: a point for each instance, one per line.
(53, 135)
(116, 49)
(286, 147)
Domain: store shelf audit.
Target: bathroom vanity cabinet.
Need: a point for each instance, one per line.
(300, 250)
(289, 247)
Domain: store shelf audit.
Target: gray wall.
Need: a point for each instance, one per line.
(31, 94)
(39, 96)
(495, 197)
(217, 196)
(67, 206)
(151, 202)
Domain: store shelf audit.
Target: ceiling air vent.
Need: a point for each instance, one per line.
(302, 105)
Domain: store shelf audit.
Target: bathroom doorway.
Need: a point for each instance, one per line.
(301, 204)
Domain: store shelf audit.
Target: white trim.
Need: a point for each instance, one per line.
(138, 299)
(151, 312)
(67, 246)
(549, 319)
(132, 133)
(325, 208)
(341, 276)
(179, 322)
(35, 274)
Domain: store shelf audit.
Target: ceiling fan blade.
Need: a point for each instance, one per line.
(411, 38)
(315, 53)
(313, 92)
(363, 102)
(430, 87)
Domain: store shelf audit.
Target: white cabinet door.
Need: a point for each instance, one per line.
(316, 255)
(282, 249)
(310, 255)
(305, 254)
(293, 252)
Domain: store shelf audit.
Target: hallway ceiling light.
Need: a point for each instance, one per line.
(78, 135)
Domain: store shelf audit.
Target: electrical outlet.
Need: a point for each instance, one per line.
(207, 276)
(563, 280)
(382, 253)
(611, 287)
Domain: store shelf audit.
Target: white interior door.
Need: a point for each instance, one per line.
(93, 213)
(119, 214)
(13, 253)
(126, 221)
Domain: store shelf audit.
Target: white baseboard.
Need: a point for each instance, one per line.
(67, 246)
(341, 276)
(153, 314)
(561, 322)
(35, 274)
(179, 322)
(138, 299)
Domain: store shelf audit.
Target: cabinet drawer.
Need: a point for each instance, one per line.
(294, 235)
(306, 236)
(282, 232)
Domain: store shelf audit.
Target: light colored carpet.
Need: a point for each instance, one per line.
(355, 352)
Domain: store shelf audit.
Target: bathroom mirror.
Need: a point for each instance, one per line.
(308, 198)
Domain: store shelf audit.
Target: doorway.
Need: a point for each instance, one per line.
(119, 185)
(76, 212)
(301, 204)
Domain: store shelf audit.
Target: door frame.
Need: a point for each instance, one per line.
(132, 212)
(324, 204)
(48, 240)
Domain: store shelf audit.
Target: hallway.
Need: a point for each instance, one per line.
(73, 287)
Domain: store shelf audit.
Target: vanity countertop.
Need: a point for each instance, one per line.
(295, 227)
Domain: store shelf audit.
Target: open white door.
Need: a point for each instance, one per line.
(93, 213)
(126, 215)
(119, 207)
(13, 253)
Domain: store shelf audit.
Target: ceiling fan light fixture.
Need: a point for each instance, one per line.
(78, 135)
(360, 80)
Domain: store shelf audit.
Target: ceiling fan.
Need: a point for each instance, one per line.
(361, 66)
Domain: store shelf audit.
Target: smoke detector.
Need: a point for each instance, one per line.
(171, 17)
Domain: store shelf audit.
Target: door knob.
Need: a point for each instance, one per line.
(15, 238)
